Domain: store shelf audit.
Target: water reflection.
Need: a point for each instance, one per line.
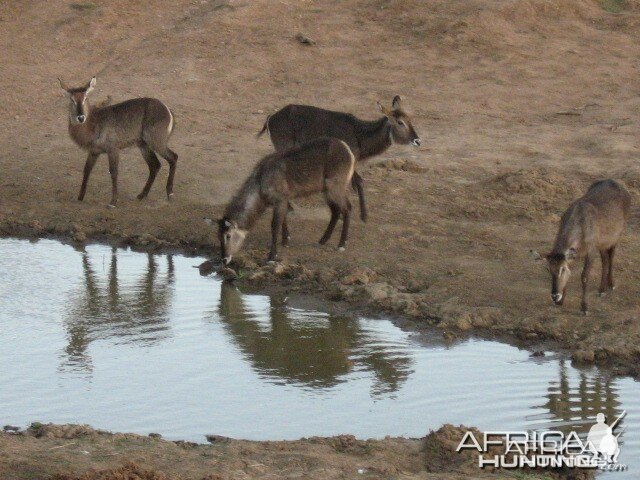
(575, 406)
(126, 306)
(313, 350)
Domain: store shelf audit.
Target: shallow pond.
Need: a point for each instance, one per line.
(142, 343)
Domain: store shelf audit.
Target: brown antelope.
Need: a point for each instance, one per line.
(294, 125)
(145, 122)
(323, 165)
(593, 222)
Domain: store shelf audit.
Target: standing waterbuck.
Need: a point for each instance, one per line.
(592, 223)
(294, 125)
(145, 122)
(323, 165)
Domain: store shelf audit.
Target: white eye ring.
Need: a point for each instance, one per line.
(401, 123)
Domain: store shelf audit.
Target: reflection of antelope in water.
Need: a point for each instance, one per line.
(101, 310)
(306, 352)
(593, 394)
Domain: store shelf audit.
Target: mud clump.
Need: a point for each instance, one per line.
(401, 164)
(69, 431)
(532, 194)
(129, 471)
(538, 182)
(439, 450)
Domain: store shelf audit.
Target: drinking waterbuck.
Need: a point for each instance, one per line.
(145, 122)
(323, 165)
(294, 125)
(593, 223)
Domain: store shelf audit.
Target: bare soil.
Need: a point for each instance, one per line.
(521, 105)
(78, 452)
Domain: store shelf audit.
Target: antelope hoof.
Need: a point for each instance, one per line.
(111, 205)
(342, 249)
(141, 196)
(585, 313)
(170, 196)
(602, 293)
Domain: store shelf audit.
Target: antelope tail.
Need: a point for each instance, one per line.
(265, 128)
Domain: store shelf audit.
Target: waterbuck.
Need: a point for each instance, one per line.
(593, 222)
(295, 125)
(145, 122)
(323, 165)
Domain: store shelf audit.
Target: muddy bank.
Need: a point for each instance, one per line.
(78, 452)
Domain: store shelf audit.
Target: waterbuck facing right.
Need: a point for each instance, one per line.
(323, 165)
(593, 222)
(294, 125)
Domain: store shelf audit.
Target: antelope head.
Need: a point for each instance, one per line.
(78, 106)
(231, 238)
(402, 130)
(559, 266)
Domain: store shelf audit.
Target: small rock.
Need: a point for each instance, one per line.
(257, 275)
(584, 356)
(278, 269)
(304, 40)
(537, 353)
(11, 428)
(217, 439)
(361, 276)
(464, 324)
(206, 268)
(228, 274)
(155, 435)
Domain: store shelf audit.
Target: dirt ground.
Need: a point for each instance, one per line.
(50, 451)
(521, 104)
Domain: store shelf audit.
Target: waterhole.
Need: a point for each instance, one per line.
(137, 342)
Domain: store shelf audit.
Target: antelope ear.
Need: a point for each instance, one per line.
(571, 254)
(385, 111)
(397, 102)
(63, 85)
(91, 84)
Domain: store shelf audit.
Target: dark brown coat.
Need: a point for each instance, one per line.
(593, 223)
(323, 165)
(295, 125)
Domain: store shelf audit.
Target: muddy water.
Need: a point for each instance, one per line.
(138, 342)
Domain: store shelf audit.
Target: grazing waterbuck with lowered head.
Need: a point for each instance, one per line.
(593, 223)
(294, 125)
(145, 122)
(323, 165)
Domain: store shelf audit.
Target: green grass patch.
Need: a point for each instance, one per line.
(613, 6)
